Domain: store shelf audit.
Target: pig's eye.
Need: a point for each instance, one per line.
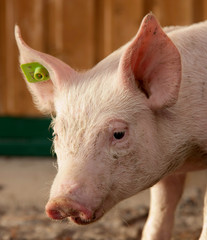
(119, 135)
(119, 132)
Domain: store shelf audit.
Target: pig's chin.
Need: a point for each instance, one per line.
(104, 207)
(81, 221)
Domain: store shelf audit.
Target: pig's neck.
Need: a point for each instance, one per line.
(184, 129)
(182, 147)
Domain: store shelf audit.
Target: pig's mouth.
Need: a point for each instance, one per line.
(82, 220)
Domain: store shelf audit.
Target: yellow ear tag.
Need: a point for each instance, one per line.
(35, 72)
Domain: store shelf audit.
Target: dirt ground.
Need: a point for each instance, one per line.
(24, 189)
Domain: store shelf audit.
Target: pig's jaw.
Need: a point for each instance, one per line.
(82, 221)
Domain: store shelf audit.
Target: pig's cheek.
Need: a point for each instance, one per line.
(117, 151)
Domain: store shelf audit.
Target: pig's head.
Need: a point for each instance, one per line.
(105, 133)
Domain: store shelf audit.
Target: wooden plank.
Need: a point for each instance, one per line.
(3, 83)
(102, 34)
(71, 32)
(198, 10)
(174, 12)
(127, 16)
(103, 19)
(23, 147)
(204, 5)
(115, 18)
(25, 128)
(117, 21)
(25, 136)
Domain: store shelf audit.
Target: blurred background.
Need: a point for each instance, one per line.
(79, 32)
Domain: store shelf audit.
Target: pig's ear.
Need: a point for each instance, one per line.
(59, 72)
(152, 62)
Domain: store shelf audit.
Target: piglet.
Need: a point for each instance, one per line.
(136, 120)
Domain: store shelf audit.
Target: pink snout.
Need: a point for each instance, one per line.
(62, 207)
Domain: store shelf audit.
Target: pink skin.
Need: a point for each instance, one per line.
(135, 120)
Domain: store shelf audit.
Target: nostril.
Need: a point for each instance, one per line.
(94, 216)
(54, 211)
(55, 214)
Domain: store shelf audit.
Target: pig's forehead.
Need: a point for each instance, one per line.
(96, 95)
(85, 92)
(86, 111)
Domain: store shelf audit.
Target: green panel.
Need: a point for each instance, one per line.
(25, 136)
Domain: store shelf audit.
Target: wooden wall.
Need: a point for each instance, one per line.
(80, 32)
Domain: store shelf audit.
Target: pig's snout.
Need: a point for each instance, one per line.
(63, 207)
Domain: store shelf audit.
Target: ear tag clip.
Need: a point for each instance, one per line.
(35, 72)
